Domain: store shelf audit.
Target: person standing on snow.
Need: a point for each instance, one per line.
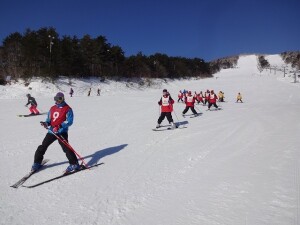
(199, 97)
(190, 102)
(59, 119)
(180, 96)
(239, 98)
(166, 102)
(71, 92)
(212, 100)
(33, 103)
(221, 96)
(206, 94)
(98, 92)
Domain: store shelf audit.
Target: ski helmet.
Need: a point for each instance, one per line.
(59, 97)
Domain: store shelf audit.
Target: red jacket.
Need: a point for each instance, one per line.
(58, 115)
(212, 98)
(180, 95)
(199, 97)
(190, 100)
(206, 95)
(166, 103)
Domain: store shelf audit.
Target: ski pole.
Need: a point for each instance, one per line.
(60, 138)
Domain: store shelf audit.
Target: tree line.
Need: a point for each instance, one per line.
(44, 53)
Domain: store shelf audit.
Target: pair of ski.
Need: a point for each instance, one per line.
(167, 127)
(162, 128)
(29, 115)
(27, 176)
(214, 109)
(191, 115)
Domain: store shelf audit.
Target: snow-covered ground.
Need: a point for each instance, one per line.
(239, 165)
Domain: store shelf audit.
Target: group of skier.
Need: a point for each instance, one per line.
(208, 97)
(98, 92)
(89, 92)
(166, 102)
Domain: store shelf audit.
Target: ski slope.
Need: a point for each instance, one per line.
(238, 165)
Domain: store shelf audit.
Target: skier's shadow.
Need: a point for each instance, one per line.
(102, 153)
(94, 158)
(185, 122)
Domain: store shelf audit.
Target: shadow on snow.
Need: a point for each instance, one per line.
(94, 158)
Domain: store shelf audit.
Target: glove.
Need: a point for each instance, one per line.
(56, 129)
(44, 124)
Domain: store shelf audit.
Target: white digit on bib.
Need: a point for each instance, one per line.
(55, 116)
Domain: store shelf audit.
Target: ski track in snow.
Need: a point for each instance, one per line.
(237, 166)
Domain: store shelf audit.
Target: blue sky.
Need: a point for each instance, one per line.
(207, 29)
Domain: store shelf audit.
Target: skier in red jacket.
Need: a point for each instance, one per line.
(212, 100)
(199, 97)
(33, 103)
(59, 119)
(190, 102)
(180, 96)
(206, 94)
(166, 102)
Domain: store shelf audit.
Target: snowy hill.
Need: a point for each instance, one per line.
(238, 165)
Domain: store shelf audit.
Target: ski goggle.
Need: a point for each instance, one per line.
(58, 99)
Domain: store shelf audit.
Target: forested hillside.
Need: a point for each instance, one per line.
(44, 53)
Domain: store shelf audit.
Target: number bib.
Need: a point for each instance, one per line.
(165, 101)
(58, 115)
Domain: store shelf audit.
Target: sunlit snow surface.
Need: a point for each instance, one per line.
(238, 165)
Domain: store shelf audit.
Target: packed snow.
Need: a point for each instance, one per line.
(238, 165)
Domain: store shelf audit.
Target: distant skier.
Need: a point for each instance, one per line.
(199, 98)
(33, 103)
(180, 96)
(166, 102)
(89, 93)
(59, 118)
(206, 96)
(221, 96)
(71, 92)
(190, 102)
(212, 100)
(239, 98)
(98, 92)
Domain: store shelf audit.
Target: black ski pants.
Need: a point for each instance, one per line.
(189, 107)
(48, 140)
(210, 104)
(163, 115)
